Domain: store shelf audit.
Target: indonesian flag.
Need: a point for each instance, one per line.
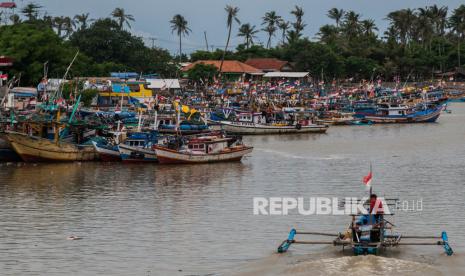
(367, 179)
(4, 77)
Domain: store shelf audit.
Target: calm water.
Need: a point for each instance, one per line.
(198, 220)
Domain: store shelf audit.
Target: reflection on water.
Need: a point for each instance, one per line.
(158, 220)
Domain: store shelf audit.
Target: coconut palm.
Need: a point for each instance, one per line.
(352, 24)
(82, 20)
(31, 11)
(328, 34)
(424, 26)
(368, 26)
(270, 30)
(231, 17)
(179, 25)
(298, 25)
(457, 25)
(401, 25)
(336, 14)
(284, 27)
(121, 17)
(270, 20)
(248, 32)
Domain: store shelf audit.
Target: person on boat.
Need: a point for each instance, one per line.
(376, 207)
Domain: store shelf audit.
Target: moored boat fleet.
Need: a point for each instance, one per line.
(189, 127)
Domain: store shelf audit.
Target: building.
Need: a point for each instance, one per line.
(164, 85)
(232, 69)
(270, 64)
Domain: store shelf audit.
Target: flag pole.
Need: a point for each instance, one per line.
(371, 187)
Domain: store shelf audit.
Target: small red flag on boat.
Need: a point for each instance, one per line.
(367, 179)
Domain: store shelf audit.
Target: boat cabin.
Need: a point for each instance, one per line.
(393, 110)
(142, 139)
(251, 117)
(207, 145)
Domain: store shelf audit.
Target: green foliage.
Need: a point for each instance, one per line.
(31, 46)
(88, 95)
(203, 73)
(418, 42)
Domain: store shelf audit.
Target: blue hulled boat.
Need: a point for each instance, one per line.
(394, 113)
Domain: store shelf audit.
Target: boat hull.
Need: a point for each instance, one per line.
(106, 155)
(422, 117)
(258, 129)
(169, 156)
(131, 154)
(7, 153)
(36, 149)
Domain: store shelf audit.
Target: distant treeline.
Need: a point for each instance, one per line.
(417, 44)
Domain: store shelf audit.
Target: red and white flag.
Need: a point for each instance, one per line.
(367, 179)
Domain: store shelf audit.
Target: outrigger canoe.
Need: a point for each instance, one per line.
(372, 237)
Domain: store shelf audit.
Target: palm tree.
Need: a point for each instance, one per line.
(328, 33)
(270, 30)
(31, 11)
(298, 25)
(248, 32)
(424, 26)
(231, 17)
(121, 17)
(368, 26)
(82, 20)
(352, 24)
(457, 24)
(179, 25)
(284, 27)
(336, 14)
(271, 20)
(401, 25)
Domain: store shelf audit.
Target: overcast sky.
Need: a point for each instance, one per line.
(153, 16)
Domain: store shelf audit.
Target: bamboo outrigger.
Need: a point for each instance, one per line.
(371, 238)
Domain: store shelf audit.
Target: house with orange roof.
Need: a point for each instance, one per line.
(232, 69)
(270, 64)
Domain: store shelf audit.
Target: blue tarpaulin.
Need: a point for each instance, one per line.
(118, 88)
(124, 75)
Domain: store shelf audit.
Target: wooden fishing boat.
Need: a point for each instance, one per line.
(138, 147)
(107, 153)
(7, 153)
(36, 149)
(207, 149)
(256, 123)
(388, 114)
(368, 234)
(335, 118)
(245, 128)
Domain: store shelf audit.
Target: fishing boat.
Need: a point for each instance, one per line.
(335, 118)
(250, 123)
(397, 113)
(38, 149)
(138, 147)
(7, 153)
(203, 149)
(368, 234)
(107, 152)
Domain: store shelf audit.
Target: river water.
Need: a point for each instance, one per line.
(198, 220)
